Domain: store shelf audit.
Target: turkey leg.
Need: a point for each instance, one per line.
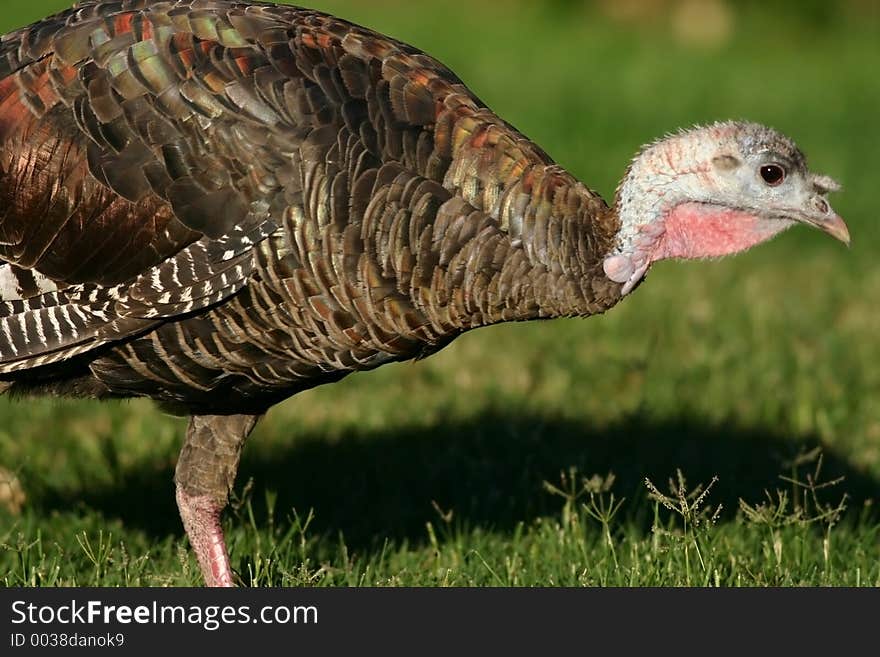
(204, 476)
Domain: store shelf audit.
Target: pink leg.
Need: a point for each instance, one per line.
(201, 519)
(204, 475)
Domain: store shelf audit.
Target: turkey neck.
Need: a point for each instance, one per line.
(537, 255)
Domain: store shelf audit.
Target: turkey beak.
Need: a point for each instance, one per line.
(825, 219)
(818, 212)
(834, 226)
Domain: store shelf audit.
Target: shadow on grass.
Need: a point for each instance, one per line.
(488, 471)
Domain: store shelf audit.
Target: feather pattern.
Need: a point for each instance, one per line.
(217, 204)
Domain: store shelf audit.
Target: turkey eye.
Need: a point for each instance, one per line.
(772, 174)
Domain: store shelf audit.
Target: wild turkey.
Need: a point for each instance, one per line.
(218, 204)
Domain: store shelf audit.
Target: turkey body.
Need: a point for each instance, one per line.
(218, 204)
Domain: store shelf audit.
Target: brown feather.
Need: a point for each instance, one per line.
(275, 197)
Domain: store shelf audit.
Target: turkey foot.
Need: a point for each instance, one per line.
(201, 519)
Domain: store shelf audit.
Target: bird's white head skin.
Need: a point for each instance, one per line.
(712, 191)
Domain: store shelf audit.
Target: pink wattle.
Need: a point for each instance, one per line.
(696, 230)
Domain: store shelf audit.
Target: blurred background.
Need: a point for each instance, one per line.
(736, 368)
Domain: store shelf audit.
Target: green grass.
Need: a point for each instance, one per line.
(476, 466)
